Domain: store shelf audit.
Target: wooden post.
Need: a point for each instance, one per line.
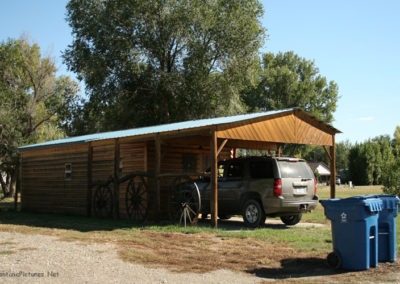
(116, 177)
(157, 174)
(214, 178)
(332, 164)
(89, 181)
(18, 185)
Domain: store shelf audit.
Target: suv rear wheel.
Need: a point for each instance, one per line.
(291, 220)
(253, 215)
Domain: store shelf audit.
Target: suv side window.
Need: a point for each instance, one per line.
(234, 170)
(221, 168)
(261, 169)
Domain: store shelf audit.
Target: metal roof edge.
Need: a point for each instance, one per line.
(164, 128)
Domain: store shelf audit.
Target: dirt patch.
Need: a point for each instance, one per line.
(153, 256)
(54, 261)
(202, 253)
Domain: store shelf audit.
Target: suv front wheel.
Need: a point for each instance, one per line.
(253, 215)
(291, 220)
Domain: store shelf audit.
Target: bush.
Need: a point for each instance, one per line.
(391, 178)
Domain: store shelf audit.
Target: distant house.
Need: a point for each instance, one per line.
(321, 170)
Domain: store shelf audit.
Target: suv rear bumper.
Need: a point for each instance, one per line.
(281, 206)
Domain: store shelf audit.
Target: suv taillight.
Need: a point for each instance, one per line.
(277, 187)
(315, 186)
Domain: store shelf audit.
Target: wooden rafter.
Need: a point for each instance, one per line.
(222, 146)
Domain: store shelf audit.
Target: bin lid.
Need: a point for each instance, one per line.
(371, 204)
(352, 209)
(389, 201)
(374, 205)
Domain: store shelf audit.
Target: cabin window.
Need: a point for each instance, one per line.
(189, 163)
(68, 171)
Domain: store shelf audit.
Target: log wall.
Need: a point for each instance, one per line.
(44, 186)
(133, 158)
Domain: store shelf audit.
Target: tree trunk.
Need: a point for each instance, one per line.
(4, 186)
(12, 183)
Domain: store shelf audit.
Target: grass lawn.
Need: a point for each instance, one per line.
(274, 251)
(341, 192)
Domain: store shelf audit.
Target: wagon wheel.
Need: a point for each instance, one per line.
(174, 197)
(185, 201)
(136, 199)
(103, 201)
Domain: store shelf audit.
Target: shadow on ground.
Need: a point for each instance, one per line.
(235, 224)
(86, 224)
(68, 222)
(297, 268)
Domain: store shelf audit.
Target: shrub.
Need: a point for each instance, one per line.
(391, 178)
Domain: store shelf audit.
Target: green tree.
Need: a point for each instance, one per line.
(396, 141)
(391, 180)
(309, 153)
(33, 100)
(374, 161)
(391, 176)
(151, 62)
(370, 162)
(397, 136)
(386, 157)
(287, 80)
(342, 154)
(358, 165)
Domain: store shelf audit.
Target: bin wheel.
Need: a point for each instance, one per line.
(334, 260)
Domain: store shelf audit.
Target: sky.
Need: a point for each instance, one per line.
(355, 43)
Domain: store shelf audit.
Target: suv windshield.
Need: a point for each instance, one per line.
(294, 169)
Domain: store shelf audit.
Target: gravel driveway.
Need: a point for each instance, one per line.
(46, 259)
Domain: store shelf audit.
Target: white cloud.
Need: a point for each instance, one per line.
(366, 118)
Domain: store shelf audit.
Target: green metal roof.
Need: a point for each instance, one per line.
(157, 129)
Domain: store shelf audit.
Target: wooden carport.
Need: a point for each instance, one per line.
(102, 154)
(267, 131)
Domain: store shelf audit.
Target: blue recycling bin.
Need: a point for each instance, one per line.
(387, 227)
(354, 224)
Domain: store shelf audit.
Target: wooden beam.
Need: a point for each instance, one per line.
(246, 144)
(89, 180)
(214, 178)
(200, 140)
(117, 159)
(18, 183)
(157, 174)
(327, 152)
(222, 146)
(204, 142)
(332, 165)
